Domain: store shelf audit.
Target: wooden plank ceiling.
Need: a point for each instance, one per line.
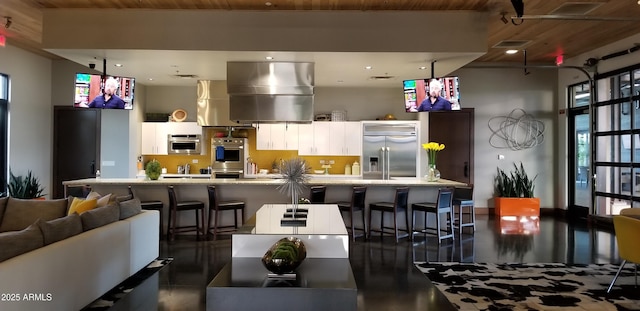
(568, 33)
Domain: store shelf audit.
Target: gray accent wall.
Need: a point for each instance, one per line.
(30, 113)
(114, 140)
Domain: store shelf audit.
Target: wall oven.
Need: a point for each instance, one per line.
(184, 144)
(228, 157)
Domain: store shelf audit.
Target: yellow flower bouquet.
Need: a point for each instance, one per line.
(432, 149)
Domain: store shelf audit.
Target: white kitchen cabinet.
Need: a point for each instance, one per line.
(313, 138)
(330, 138)
(154, 138)
(353, 138)
(291, 133)
(346, 138)
(277, 136)
(183, 128)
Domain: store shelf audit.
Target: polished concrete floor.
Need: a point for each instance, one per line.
(384, 271)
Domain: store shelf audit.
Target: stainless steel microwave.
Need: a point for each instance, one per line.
(184, 144)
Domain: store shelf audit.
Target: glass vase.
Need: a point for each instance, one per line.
(432, 173)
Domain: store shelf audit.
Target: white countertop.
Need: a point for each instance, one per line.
(276, 176)
(262, 181)
(167, 175)
(321, 219)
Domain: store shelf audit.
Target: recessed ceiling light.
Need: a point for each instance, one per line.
(269, 57)
(368, 67)
(268, 3)
(511, 51)
(422, 67)
(150, 79)
(118, 65)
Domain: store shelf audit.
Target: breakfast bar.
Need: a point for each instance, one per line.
(258, 191)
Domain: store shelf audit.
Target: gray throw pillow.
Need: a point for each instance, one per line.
(130, 208)
(100, 216)
(20, 213)
(61, 228)
(3, 206)
(15, 243)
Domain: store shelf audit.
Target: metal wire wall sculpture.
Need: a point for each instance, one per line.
(516, 131)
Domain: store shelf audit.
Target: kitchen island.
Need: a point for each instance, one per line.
(258, 191)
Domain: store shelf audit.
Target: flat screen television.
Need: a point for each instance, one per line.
(435, 94)
(90, 91)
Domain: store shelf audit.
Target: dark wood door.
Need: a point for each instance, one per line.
(76, 145)
(455, 130)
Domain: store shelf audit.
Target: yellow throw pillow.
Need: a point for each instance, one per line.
(81, 205)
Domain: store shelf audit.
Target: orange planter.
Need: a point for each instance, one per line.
(517, 206)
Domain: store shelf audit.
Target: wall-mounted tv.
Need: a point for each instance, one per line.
(105, 92)
(435, 94)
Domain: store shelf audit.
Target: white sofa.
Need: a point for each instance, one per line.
(70, 274)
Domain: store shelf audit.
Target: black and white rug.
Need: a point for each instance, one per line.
(541, 286)
(111, 297)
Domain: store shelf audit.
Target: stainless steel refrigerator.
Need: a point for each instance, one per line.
(389, 149)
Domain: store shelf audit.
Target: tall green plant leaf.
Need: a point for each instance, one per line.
(27, 187)
(516, 184)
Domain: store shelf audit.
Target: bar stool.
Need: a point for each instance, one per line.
(176, 206)
(78, 191)
(316, 194)
(156, 205)
(356, 204)
(443, 205)
(399, 204)
(463, 198)
(216, 206)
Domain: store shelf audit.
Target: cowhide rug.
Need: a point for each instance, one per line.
(542, 286)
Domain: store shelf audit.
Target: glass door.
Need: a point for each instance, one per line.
(579, 162)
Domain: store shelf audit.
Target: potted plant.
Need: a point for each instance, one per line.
(514, 193)
(25, 187)
(153, 169)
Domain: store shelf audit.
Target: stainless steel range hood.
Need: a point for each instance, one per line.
(213, 104)
(270, 91)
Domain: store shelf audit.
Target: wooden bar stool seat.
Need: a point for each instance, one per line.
(216, 207)
(176, 206)
(399, 204)
(317, 194)
(463, 199)
(442, 206)
(156, 205)
(356, 204)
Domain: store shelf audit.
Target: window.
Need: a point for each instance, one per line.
(617, 139)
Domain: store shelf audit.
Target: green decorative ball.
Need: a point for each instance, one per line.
(153, 169)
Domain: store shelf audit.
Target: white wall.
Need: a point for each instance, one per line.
(166, 99)
(495, 93)
(363, 103)
(30, 113)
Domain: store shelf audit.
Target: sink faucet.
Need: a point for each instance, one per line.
(187, 168)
